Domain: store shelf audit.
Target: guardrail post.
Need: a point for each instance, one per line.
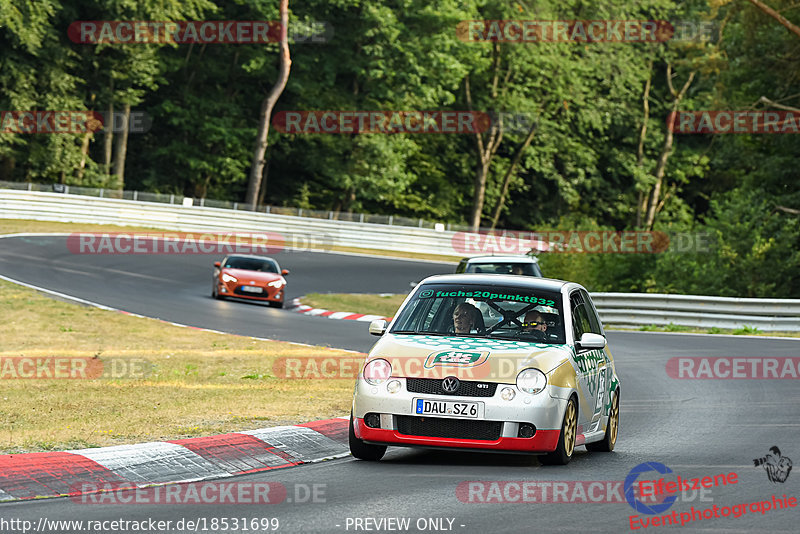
(420, 223)
(330, 215)
(30, 186)
(361, 218)
(391, 218)
(202, 202)
(235, 205)
(172, 198)
(268, 209)
(66, 190)
(101, 192)
(299, 212)
(136, 195)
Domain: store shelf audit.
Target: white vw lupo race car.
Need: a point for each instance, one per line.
(488, 363)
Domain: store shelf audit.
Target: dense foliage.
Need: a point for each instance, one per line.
(579, 160)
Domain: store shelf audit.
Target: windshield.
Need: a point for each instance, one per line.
(484, 311)
(251, 264)
(527, 269)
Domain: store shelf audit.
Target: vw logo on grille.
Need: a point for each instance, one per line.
(450, 384)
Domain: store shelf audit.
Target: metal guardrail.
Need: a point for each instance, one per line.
(639, 309)
(632, 309)
(165, 198)
(45, 206)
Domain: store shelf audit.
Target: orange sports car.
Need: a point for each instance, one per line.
(249, 277)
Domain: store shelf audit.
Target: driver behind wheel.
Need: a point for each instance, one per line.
(534, 321)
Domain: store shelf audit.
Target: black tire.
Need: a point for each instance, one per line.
(610, 439)
(273, 304)
(364, 451)
(566, 440)
(215, 293)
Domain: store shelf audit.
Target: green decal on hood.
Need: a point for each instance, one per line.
(455, 358)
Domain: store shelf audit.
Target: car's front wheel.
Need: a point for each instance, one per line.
(361, 450)
(610, 439)
(215, 292)
(566, 440)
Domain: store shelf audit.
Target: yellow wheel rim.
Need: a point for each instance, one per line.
(570, 427)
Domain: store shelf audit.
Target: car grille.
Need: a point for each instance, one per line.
(438, 427)
(433, 386)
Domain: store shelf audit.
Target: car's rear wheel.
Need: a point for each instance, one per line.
(566, 440)
(610, 439)
(364, 451)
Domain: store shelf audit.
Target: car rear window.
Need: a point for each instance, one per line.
(526, 269)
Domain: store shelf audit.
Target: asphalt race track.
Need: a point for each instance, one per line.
(178, 287)
(697, 428)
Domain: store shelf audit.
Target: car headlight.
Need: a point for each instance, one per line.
(228, 278)
(531, 381)
(377, 371)
(276, 284)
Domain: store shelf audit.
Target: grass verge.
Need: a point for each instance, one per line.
(366, 303)
(201, 383)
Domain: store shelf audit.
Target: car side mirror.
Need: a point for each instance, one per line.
(284, 272)
(590, 341)
(378, 327)
(217, 264)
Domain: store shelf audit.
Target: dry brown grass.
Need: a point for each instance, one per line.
(201, 383)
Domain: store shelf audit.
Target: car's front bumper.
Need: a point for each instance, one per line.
(543, 411)
(232, 289)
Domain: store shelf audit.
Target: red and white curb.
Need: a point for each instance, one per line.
(55, 474)
(321, 312)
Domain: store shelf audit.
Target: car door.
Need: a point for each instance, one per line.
(585, 361)
(600, 356)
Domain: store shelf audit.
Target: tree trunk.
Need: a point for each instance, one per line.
(262, 193)
(486, 152)
(510, 172)
(641, 203)
(667, 149)
(257, 167)
(87, 137)
(121, 149)
(108, 138)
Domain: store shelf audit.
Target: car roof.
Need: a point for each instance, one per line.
(502, 259)
(512, 280)
(250, 257)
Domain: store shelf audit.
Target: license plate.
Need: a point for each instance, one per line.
(252, 289)
(446, 408)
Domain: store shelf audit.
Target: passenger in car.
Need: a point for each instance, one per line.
(466, 318)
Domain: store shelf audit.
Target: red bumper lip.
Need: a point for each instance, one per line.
(542, 441)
